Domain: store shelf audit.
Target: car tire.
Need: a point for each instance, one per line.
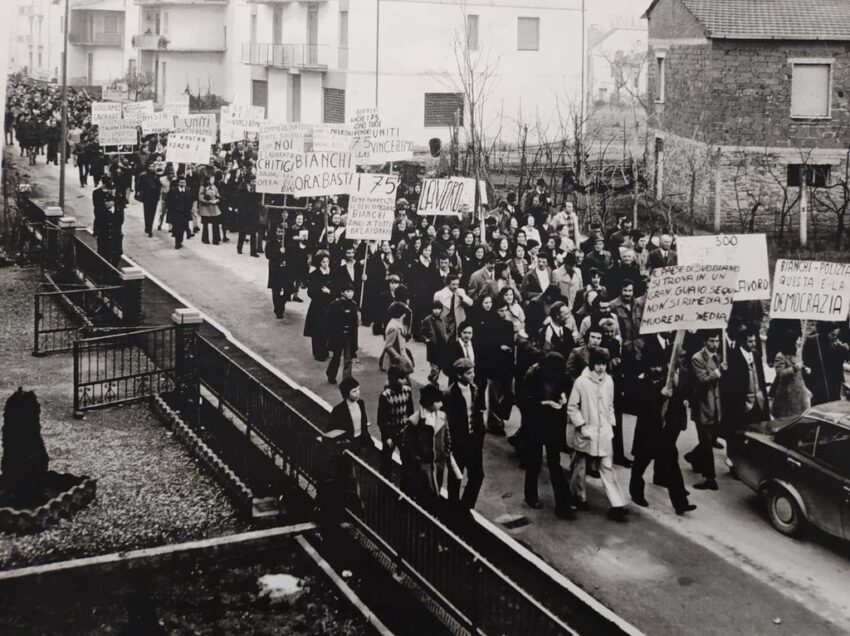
(784, 512)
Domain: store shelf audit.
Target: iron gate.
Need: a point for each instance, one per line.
(124, 367)
(65, 315)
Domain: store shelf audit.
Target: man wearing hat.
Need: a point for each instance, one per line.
(342, 332)
(425, 446)
(465, 406)
(350, 414)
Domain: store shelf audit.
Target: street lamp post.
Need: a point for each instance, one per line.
(63, 129)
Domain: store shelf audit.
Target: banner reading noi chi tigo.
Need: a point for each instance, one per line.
(810, 290)
(689, 297)
(747, 251)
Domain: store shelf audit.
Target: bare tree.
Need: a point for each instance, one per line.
(626, 71)
(835, 197)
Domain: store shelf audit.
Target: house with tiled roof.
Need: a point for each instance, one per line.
(749, 103)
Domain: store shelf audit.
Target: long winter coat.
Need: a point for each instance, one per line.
(705, 405)
(316, 324)
(791, 395)
(591, 415)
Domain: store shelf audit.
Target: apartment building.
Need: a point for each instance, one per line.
(320, 61)
(99, 50)
(36, 36)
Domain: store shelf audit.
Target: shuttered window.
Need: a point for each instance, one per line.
(528, 34)
(334, 106)
(810, 90)
(440, 109)
(260, 93)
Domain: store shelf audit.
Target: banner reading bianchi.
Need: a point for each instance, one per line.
(306, 174)
(810, 290)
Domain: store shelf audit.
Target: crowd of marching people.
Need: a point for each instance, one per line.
(516, 309)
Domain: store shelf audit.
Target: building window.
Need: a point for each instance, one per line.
(441, 108)
(110, 24)
(472, 32)
(660, 77)
(260, 93)
(811, 84)
(334, 111)
(528, 34)
(817, 176)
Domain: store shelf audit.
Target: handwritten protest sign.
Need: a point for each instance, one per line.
(306, 174)
(689, 297)
(375, 142)
(239, 121)
(134, 111)
(156, 123)
(332, 138)
(371, 207)
(105, 111)
(364, 120)
(188, 148)
(117, 133)
(196, 125)
(446, 196)
(810, 290)
(747, 251)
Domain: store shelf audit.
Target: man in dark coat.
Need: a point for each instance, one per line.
(148, 188)
(350, 414)
(464, 407)
(743, 388)
(342, 333)
(249, 218)
(825, 354)
(278, 272)
(664, 256)
(179, 211)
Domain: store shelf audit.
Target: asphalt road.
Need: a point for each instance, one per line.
(720, 570)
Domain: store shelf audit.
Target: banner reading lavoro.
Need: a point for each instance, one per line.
(747, 251)
(105, 111)
(689, 297)
(446, 196)
(135, 111)
(117, 133)
(188, 148)
(810, 290)
(371, 207)
(196, 125)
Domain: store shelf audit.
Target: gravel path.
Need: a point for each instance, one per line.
(149, 491)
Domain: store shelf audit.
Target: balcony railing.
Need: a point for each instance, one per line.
(97, 39)
(153, 42)
(307, 56)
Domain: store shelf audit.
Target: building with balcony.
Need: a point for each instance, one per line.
(36, 48)
(184, 44)
(320, 60)
(97, 41)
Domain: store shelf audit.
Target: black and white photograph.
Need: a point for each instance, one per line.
(425, 317)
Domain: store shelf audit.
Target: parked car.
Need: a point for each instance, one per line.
(801, 466)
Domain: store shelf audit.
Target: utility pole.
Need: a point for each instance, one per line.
(63, 129)
(377, 47)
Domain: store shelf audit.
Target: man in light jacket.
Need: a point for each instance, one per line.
(590, 432)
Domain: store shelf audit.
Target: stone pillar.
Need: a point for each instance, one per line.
(186, 382)
(66, 258)
(131, 305)
(50, 235)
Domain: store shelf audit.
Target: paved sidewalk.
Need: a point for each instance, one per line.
(720, 570)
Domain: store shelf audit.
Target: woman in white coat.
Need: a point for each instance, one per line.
(590, 432)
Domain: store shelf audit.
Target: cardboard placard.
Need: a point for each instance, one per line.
(689, 297)
(306, 174)
(446, 196)
(239, 121)
(747, 251)
(156, 123)
(332, 138)
(117, 133)
(188, 148)
(810, 290)
(135, 111)
(371, 207)
(105, 111)
(196, 125)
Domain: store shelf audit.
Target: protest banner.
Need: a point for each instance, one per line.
(239, 121)
(114, 93)
(363, 121)
(196, 125)
(446, 196)
(156, 123)
(188, 148)
(810, 290)
(117, 133)
(332, 138)
(385, 144)
(282, 137)
(371, 207)
(689, 297)
(306, 174)
(105, 111)
(135, 111)
(747, 251)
